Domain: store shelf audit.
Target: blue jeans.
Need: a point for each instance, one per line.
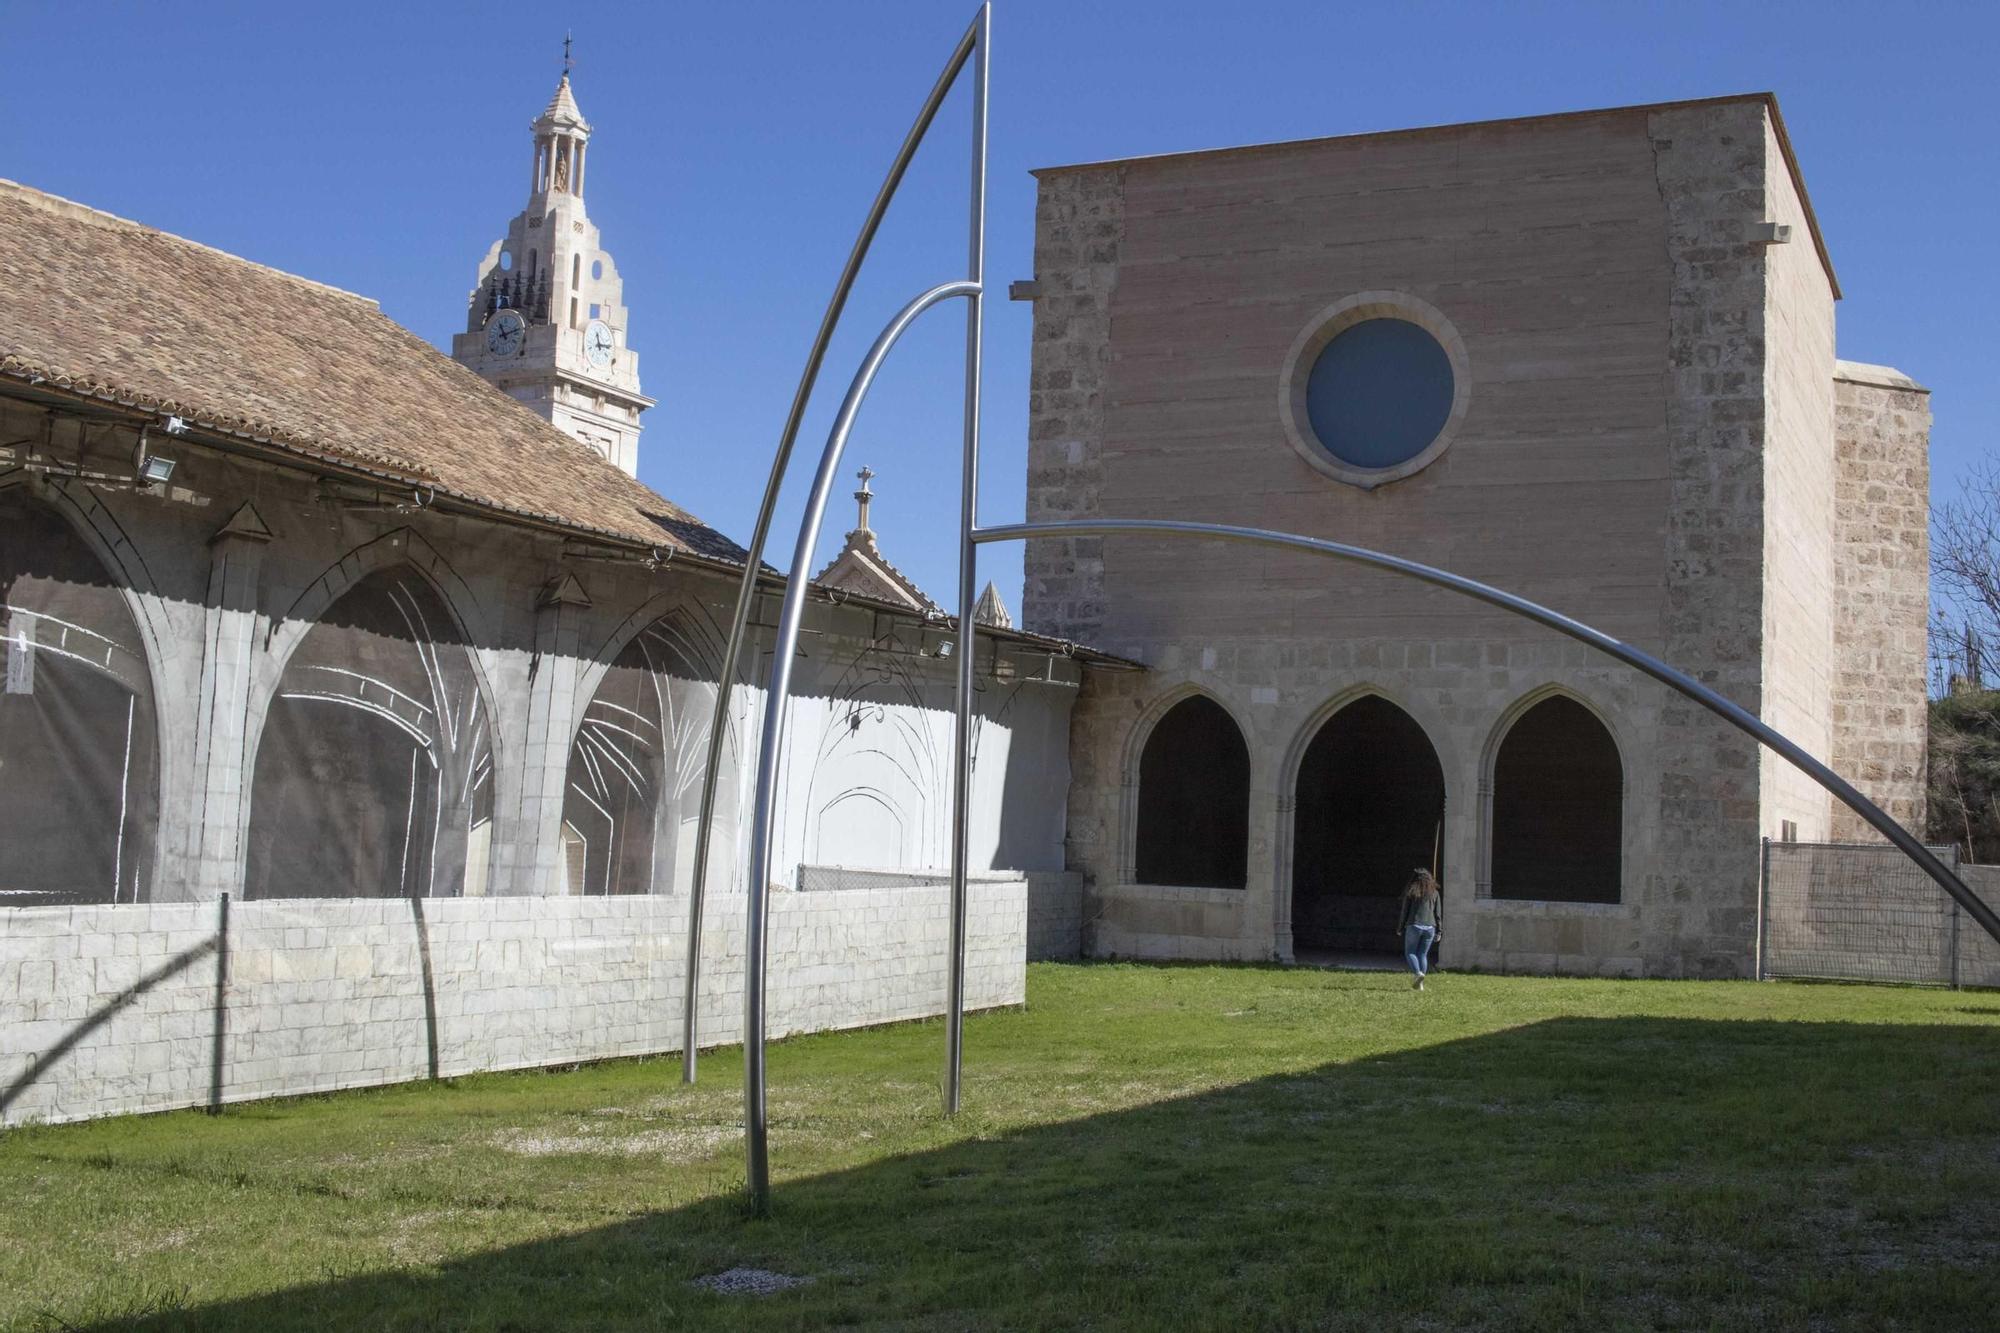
(1417, 947)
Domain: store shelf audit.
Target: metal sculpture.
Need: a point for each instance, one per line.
(971, 537)
(975, 39)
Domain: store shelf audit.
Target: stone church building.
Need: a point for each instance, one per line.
(356, 696)
(354, 712)
(1586, 358)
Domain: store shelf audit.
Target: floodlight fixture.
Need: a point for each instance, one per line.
(156, 469)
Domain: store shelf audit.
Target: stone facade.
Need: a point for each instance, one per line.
(222, 612)
(1647, 446)
(229, 569)
(1881, 589)
(108, 1010)
(1078, 227)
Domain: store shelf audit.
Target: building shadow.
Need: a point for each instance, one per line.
(1569, 1173)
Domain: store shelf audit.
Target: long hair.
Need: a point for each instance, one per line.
(1422, 884)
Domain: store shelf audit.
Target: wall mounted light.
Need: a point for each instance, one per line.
(154, 468)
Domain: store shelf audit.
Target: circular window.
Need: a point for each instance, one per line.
(1374, 388)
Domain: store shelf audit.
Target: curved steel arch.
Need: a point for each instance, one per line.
(777, 691)
(975, 39)
(1740, 718)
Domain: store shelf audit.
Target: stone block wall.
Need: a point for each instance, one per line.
(1882, 591)
(113, 1009)
(1079, 225)
(1055, 915)
(1713, 175)
(1619, 300)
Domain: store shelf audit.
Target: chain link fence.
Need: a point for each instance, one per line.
(1866, 912)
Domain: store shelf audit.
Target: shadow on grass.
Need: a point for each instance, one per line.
(1583, 1173)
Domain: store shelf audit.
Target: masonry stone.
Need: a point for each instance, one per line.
(1647, 444)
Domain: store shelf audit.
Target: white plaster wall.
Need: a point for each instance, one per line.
(113, 1009)
(1799, 527)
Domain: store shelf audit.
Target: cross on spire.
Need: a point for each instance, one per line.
(569, 61)
(864, 495)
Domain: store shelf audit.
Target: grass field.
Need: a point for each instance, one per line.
(1143, 1147)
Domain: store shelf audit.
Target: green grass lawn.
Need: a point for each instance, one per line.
(1145, 1147)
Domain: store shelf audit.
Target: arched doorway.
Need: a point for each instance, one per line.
(1369, 809)
(1194, 799)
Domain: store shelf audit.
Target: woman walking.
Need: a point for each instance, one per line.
(1422, 919)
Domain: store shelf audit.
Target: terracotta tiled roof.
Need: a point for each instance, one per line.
(96, 305)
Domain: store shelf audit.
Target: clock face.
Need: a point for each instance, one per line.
(505, 333)
(597, 343)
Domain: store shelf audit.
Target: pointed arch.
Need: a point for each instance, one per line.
(1187, 776)
(80, 736)
(885, 747)
(636, 751)
(1553, 793)
(373, 751)
(1367, 797)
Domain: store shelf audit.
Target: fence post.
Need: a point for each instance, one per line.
(1763, 908)
(1954, 924)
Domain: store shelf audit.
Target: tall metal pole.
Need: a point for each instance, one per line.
(1734, 714)
(968, 558)
(746, 593)
(778, 689)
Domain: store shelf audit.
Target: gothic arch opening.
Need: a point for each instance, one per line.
(637, 753)
(373, 776)
(1369, 809)
(1194, 799)
(78, 740)
(1558, 796)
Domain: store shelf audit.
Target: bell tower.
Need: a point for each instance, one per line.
(547, 322)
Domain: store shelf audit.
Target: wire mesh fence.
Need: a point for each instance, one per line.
(1866, 912)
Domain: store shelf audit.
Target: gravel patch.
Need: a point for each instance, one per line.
(749, 1282)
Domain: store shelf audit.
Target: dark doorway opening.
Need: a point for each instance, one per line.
(1558, 789)
(1194, 799)
(1369, 810)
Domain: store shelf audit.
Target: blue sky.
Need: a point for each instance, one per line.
(383, 148)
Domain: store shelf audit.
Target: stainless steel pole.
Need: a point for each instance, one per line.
(1740, 718)
(757, 1164)
(968, 558)
(746, 593)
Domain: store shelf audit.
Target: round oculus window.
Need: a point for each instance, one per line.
(1379, 393)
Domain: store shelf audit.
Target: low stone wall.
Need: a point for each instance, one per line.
(1055, 914)
(1170, 921)
(113, 1009)
(1538, 938)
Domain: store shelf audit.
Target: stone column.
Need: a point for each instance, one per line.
(527, 839)
(221, 762)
